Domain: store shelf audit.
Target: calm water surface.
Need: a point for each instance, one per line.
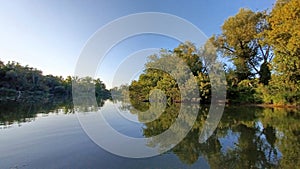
(247, 137)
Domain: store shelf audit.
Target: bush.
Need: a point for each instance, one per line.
(244, 92)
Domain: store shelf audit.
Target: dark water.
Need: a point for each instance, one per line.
(40, 136)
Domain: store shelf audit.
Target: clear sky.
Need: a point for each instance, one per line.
(50, 34)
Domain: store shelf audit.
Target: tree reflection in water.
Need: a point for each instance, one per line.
(17, 113)
(265, 137)
(246, 137)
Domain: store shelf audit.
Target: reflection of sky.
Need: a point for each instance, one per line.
(122, 120)
(49, 35)
(58, 141)
(229, 141)
(274, 156)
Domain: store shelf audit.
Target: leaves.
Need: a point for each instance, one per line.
(242, 40)
(26, 84)
(284, 36)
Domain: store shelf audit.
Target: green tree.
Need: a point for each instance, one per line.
(100, 90)
(169, 72)
(284, 36)
(27, 84)
(242, 40)
(189, 53)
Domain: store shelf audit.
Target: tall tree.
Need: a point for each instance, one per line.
(284, 36)
(189, 53)
(242, 40)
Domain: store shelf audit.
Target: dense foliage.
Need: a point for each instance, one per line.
(25, 84)
(186, 67)
(262, 50)
(271, 43)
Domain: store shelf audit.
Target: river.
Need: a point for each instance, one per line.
(52, 137)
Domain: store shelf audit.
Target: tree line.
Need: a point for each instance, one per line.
(262, 50)
(26, 84)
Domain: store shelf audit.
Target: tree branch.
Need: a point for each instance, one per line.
(224, 47)
(254, 67)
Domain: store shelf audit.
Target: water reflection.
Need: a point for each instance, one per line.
(12, 112)
(246, 137)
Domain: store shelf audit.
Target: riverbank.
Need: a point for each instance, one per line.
(266, 105)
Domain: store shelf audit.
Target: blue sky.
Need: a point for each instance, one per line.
(50, 34)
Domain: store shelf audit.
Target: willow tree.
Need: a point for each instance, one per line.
(242, 41)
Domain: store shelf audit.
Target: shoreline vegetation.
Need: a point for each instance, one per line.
(24, 84)
(286, 106)
(262, 67)
(262, 64)
(274, 106)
